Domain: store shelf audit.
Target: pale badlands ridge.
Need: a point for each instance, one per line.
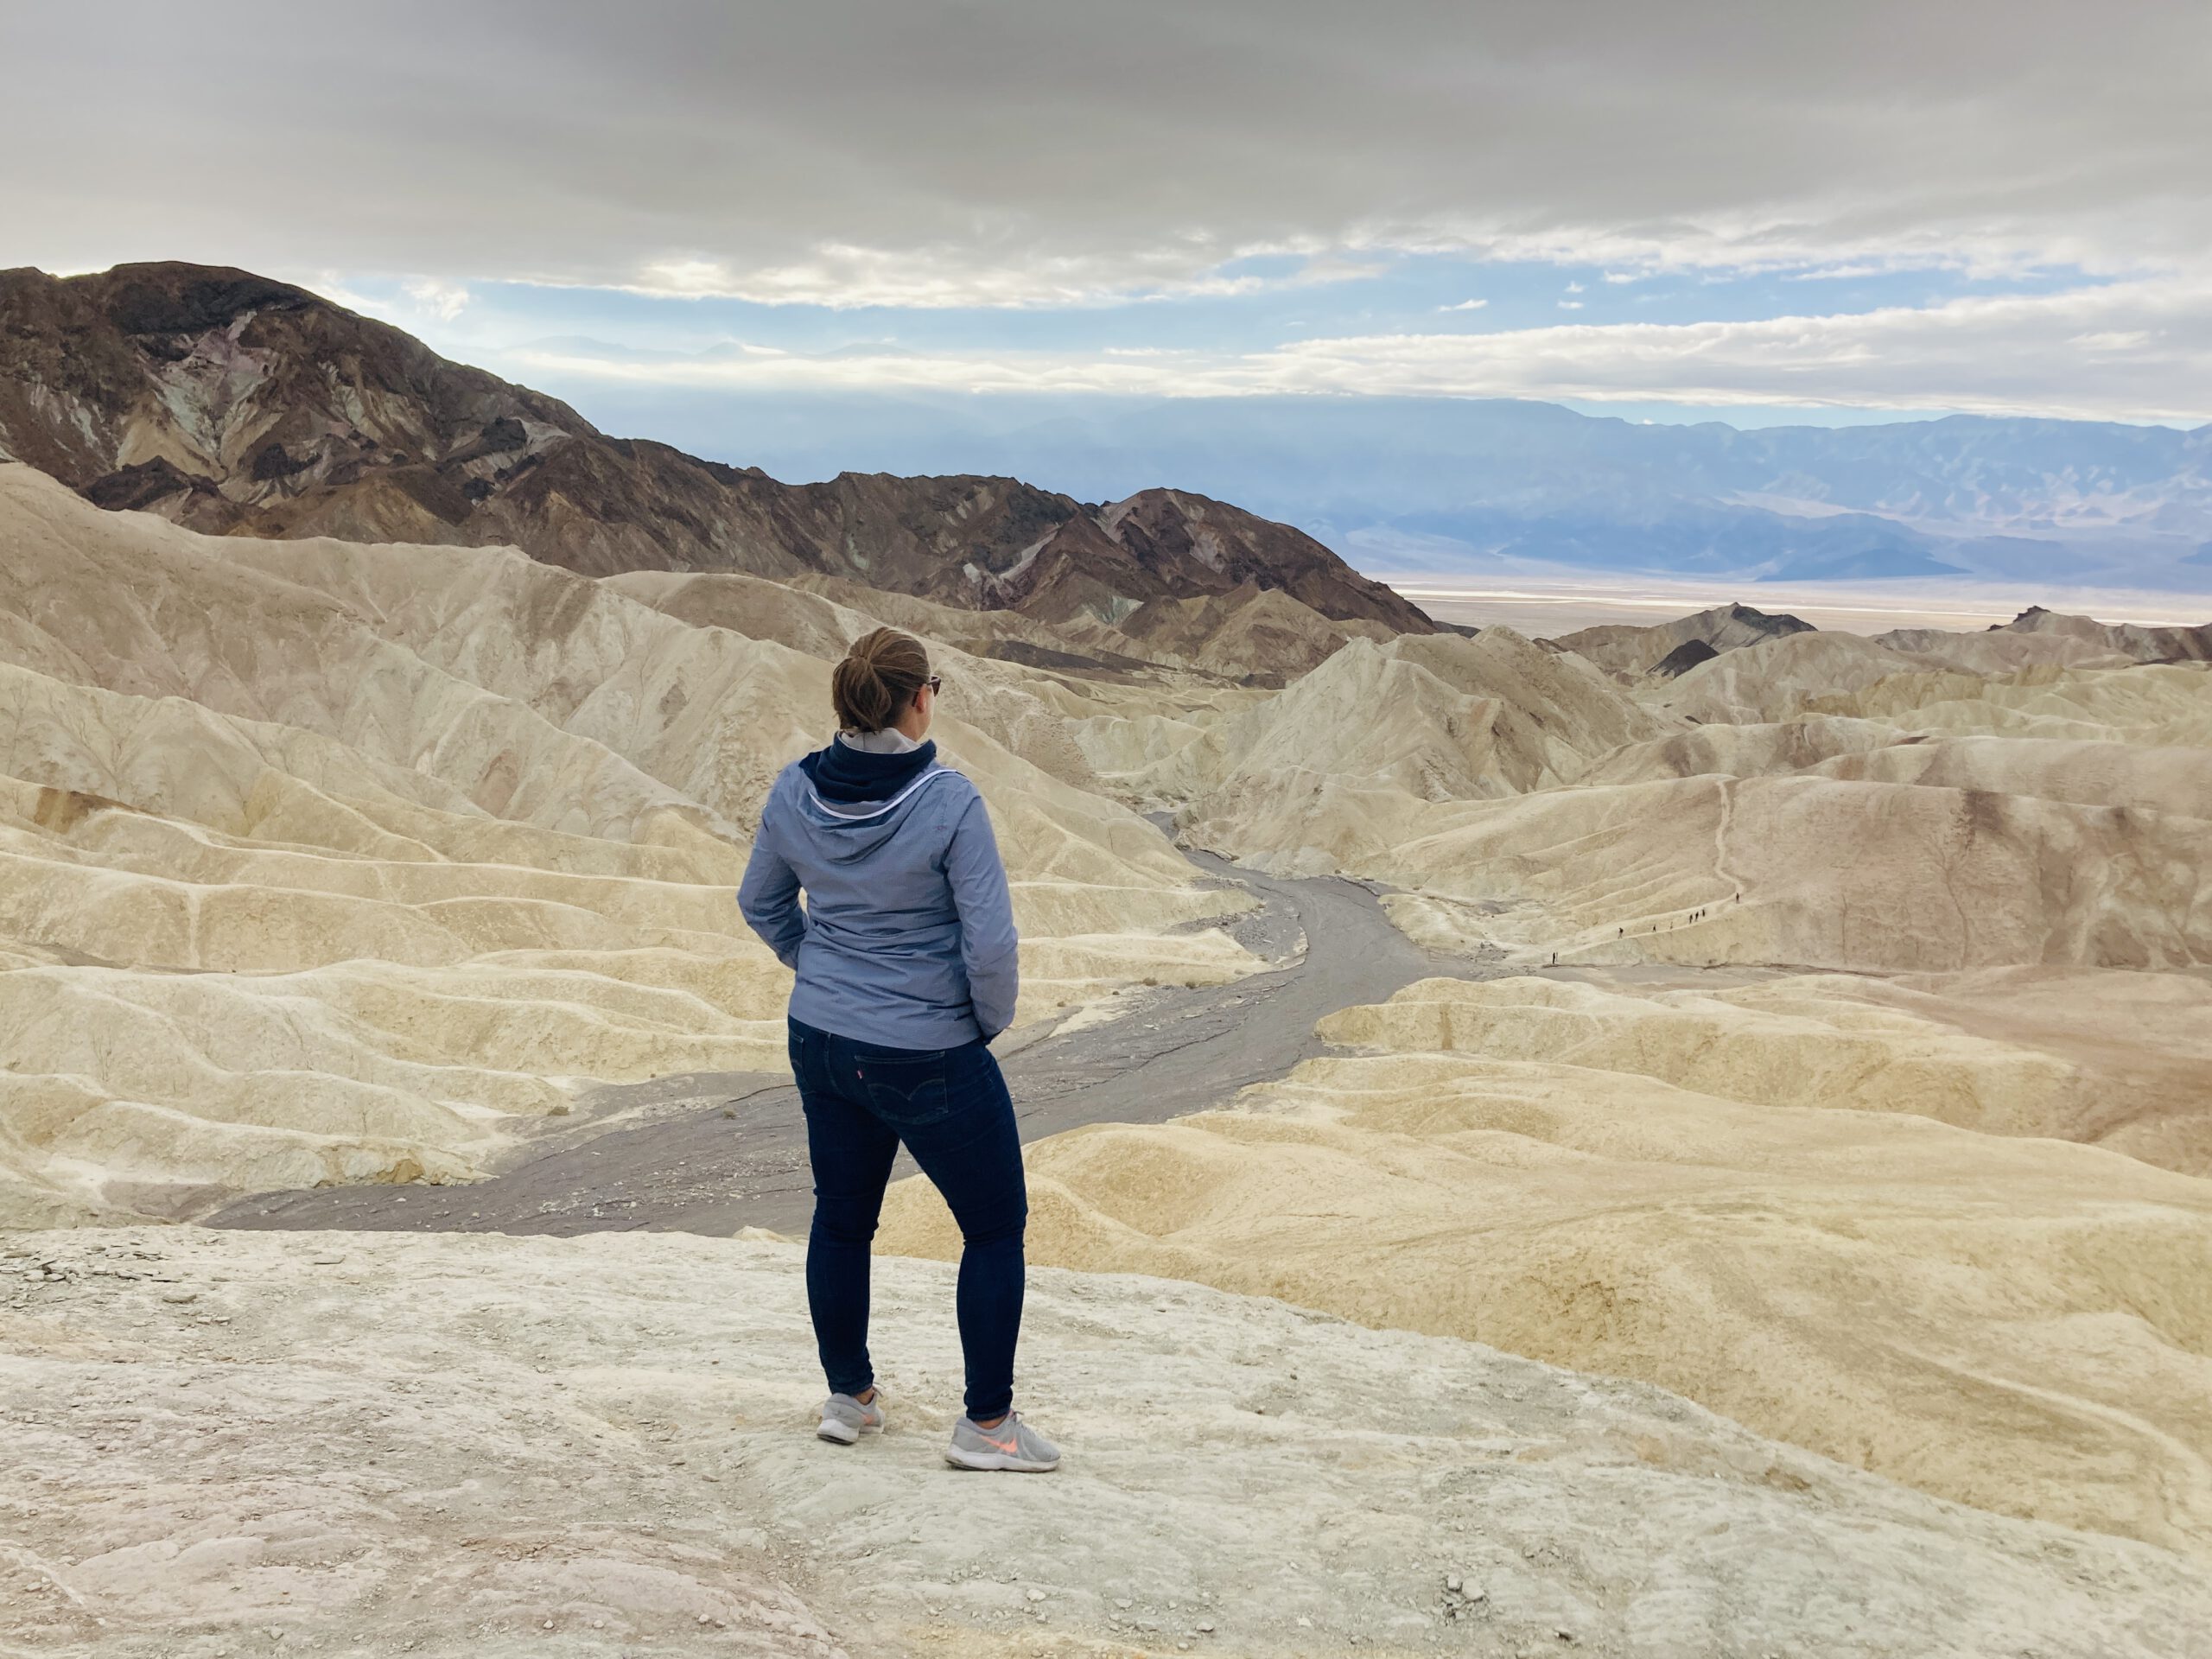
(324, 862)
(329, 862)
(1737, 1198)
(249, 1443)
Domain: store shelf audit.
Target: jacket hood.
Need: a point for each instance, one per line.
(852, 801)
(851, 777)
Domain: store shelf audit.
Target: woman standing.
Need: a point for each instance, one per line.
(904, 953)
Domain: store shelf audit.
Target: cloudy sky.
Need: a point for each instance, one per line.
(1771, 210)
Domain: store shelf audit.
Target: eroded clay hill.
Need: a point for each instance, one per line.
(1857, 1081)
(232, 403)
(325, 862)
(1671, 648)
(1827, 1211)
(1817, 799)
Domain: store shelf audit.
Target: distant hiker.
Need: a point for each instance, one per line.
(904, 953)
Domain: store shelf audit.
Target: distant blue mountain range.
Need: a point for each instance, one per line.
(1445, 486)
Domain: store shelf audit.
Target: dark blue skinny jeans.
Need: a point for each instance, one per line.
(950, 1108)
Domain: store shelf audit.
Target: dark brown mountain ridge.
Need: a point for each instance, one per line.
(239, 405)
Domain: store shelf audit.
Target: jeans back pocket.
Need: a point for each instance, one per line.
(905, 1086)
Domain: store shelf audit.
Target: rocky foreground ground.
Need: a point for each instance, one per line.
(233, 1444)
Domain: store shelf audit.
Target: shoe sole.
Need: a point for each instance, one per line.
(839, 1433)
(989, 1462)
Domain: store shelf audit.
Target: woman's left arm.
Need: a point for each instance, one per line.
(988, 939)
(769, 897)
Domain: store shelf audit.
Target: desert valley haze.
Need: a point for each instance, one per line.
(1589, 648)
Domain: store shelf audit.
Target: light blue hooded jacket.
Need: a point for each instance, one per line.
(907, 937)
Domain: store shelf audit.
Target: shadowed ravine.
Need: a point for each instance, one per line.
(737, 1157)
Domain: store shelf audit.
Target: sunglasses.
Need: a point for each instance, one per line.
(935, 683)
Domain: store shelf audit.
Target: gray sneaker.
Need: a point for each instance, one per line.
(1008, 1445)
(844, 1417)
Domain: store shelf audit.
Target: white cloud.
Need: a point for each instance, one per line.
(847, 276)
(856, 152)
(1570, 305)
(2112, 339)
(332, 287)
(1464, 305)
(2133, 351)
(444, 301)
(1335, 268)
(2138, 350)
(1574, 287)
(425, 298)
(685, 279)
